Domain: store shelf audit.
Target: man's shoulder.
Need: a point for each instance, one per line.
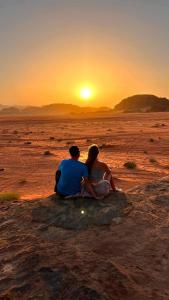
(82, 168)
(65, 161)
(81, 164)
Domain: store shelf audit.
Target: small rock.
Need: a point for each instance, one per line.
(28, 143)
(117, 220)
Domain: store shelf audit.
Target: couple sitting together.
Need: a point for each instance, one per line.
(90, 179)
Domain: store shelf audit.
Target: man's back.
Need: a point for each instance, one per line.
(72, 172)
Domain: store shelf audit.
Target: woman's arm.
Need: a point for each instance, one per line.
(89, 187)
(108, 176)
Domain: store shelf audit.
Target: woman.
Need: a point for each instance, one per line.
(99, 174)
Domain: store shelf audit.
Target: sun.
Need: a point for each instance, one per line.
(86, 93)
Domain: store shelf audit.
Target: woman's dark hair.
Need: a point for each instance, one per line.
(92, 155)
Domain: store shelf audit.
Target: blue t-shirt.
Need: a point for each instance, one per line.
(72, 172)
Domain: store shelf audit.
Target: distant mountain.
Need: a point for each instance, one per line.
(143, 103)
(2, 106)
(137, 103)
(58, 109)
(10, 111)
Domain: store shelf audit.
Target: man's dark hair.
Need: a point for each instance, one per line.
(74, 151)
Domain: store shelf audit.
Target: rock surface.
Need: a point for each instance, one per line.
(79, 214)
(86, 249)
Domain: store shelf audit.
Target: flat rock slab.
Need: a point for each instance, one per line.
(153, 189)
(80, 213)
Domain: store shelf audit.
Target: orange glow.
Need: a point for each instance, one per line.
(108, 81)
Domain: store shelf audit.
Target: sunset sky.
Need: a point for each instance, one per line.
(50, 50)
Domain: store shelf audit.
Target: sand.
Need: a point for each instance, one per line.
(43, 255)
(117, 250)
(142, 138)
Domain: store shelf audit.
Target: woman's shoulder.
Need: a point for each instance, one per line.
(102, 164)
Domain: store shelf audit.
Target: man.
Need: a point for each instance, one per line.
(72, 171)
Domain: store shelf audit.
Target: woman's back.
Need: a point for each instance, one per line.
(99, 174)
(97, 171)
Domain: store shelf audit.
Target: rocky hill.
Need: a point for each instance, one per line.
(143, 103)
(86, 249)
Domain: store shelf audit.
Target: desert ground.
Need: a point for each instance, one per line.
(24, 168)
(117, 249)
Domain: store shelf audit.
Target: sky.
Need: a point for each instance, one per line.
(50, 49)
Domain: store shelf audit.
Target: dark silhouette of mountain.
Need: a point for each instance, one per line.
(2, 106)
(10, 111)
(143, 103)
(137, 103)
(61, 109)
(58, 109)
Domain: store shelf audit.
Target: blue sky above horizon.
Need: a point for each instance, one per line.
(49, 47)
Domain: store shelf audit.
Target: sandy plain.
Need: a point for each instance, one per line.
(42, 253)
(142, 138)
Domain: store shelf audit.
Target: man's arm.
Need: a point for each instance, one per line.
(89, 187)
